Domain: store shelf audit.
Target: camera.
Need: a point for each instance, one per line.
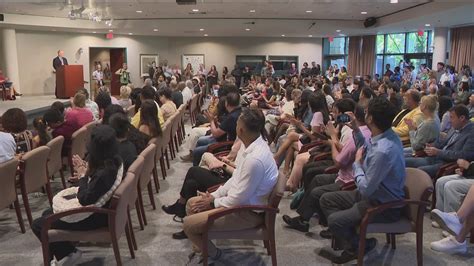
(343, 118)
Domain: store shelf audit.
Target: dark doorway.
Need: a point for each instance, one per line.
(111, 60)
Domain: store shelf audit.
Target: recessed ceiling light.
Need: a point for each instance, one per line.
(338, 30)
(252, 10)
(427, 25)
(130, 33)
(310, 36)
(283, 35)
(309, 11)
(139, 11)
(364, 12)
(393, 1)
(205, 35)
(201, 29)
(155, 29)
(111, 30)
(247, 29)
(94, 32)
(195, 10)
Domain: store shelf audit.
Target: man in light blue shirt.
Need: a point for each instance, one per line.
(379, 173)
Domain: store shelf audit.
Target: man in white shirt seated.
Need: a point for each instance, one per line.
(251, 183)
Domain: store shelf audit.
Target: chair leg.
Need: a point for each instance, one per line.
(150, 194)
(273, 250)
(130, 226)
(171, 148)
(139, 215)
(49, 193)
(63, 180)
(204, 251)
(163, 167)
(46, 257)
(27, 206)
(266, 245)
(387, 236)
(393, 240)
(129, 241)
(142, 209)
(155, 179)
(18, 216)
(176, 140)
(419, 247)
(360, 256)
(167, 159)
(115, 246)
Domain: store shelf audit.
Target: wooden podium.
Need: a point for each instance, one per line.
(68, 79)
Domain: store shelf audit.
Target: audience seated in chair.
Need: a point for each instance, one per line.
(7, 147)
(14, 122)
(147, 93)
(79, 114)
(412, 100)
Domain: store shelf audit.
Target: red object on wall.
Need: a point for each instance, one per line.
(331, 39)
(109, 35)
(421, 32)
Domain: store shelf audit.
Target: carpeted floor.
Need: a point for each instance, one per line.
(156, 247)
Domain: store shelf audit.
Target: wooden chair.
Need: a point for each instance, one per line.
(158, 141)
(193, 109)
(144, 180)
(4, 90)
(175, 138)
(418, 188)
(166, 133)
(265, 232)
(445, 169)
(8, 189)
(117, 217)
(78, 146)
(89, 127)
(55, 163)
(182, 111)
(34, 176)
(136, 169)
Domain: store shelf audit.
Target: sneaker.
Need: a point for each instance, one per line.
(435, 224)
(445, 233)
(180, 235)
(177, 209)
(447, 221)
(296, 223)
(449, 245)
(70, 259)
(187, 158)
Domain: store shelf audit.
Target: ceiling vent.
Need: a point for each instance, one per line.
(186, 2)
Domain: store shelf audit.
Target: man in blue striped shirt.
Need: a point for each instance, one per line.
(379, 173)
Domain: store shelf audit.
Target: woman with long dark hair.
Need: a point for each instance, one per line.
(149, 123)
(212, 76)
(99, 177)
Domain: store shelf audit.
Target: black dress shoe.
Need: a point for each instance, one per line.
(296, 223)
(177, 209)
(326, 234)
(347, 256)
(180, 235)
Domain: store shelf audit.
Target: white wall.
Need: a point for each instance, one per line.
(36, 51)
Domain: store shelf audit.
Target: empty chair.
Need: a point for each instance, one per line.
(8, 188)
(117, 216)
(418, 188)
(34, 176)
(55, 163)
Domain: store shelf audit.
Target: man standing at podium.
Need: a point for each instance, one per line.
(59, 61)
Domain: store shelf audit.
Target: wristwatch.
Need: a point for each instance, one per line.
(212, 204)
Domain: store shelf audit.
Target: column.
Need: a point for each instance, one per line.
(440, 41)
(10, 56)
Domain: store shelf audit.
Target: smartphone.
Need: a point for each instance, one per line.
(70, 197)
(343, 118)
(216, 92)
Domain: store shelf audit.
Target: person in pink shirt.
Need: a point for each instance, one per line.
(343, 157)
(79, 115)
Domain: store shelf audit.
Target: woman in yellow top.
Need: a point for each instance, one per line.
(342, 74)
(168, 108)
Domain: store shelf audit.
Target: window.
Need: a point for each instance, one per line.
(254, 62)
(409, 47)
(335, 52)
(281, 64)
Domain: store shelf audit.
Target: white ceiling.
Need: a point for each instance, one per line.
(271, 18)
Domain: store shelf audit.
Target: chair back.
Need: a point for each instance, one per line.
(7, 179)
(136, 169)
(33, 167)
(166, 132)
(158, 141)
(54, 160)
(148, 156)
(175, 119)
(418, 186)
(277, 192)
(121, 199)
(194, 103)
(89, 127)
(78, 142)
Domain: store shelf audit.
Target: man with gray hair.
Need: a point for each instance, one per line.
(149, 83)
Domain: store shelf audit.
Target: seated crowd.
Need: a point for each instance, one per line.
(344, 143)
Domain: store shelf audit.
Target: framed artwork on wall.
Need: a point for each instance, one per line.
(146, 62)
(194, 59)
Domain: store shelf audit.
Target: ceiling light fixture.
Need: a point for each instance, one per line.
(247, 29)
(201, 29)
(205, 35)
(283, 35)
(195, 10)
(139, 11)
(393, 1)
(309, 11)
(94, 32)
(111, 30)
(338, 30)
(427, 25)
(364, 12)
(130, 33)
(252, 10)
(310, 36)
(155, 29)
